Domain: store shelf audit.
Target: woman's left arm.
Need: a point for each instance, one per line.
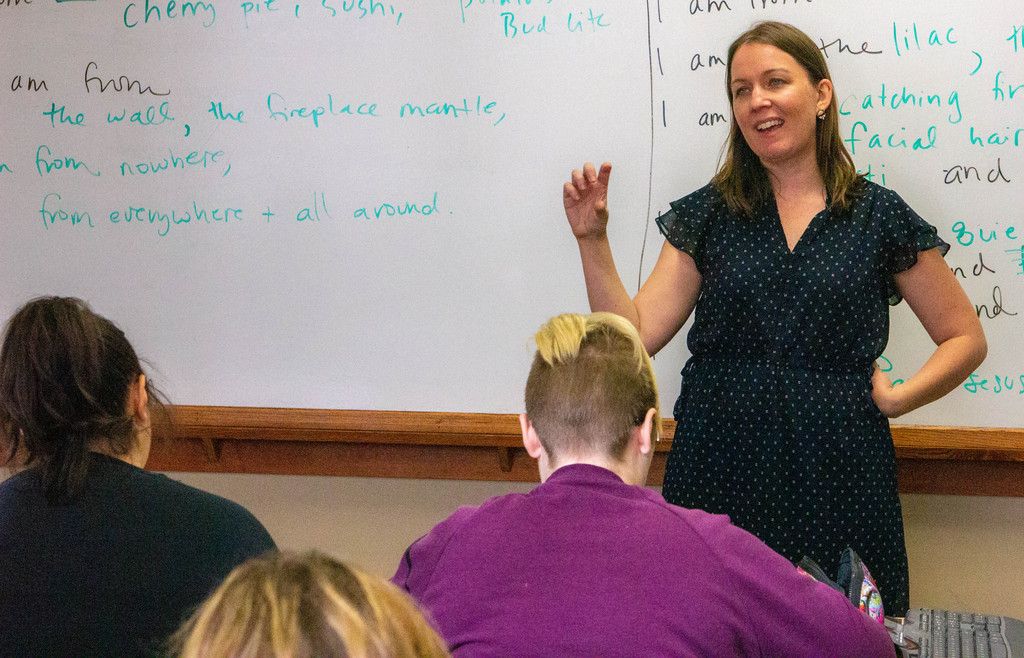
(948, 316)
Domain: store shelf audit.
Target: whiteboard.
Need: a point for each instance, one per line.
(356, 204)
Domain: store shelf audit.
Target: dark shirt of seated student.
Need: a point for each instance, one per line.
(98, 557)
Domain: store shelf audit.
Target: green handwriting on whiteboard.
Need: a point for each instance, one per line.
(257, 12)
(995, 384)
(52, 215)
(154, 11)
(397, 209)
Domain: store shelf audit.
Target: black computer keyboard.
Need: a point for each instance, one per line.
(929, 633)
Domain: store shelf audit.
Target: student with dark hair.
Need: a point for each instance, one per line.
(98, 557)
(592, 563)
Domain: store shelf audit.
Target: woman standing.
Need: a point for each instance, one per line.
(790, 261)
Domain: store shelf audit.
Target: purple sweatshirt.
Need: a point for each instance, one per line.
(586, 565)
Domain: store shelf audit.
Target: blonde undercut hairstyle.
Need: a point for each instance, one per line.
(287, 605)
(590, 386)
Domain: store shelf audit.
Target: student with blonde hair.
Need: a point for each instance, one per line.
(306, 606)
(592, 563)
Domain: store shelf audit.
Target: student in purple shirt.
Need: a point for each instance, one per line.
(591, 563)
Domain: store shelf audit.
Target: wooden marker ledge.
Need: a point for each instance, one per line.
(476, 446)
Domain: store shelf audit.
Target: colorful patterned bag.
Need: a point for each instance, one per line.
(854, 582)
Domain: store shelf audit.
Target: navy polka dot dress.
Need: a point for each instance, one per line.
(776, 424)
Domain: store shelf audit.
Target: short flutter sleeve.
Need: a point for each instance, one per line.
(685, 225)
(906, 233)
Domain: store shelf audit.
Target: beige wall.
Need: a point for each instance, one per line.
(965, 553)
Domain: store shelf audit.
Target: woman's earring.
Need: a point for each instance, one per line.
(821, 115)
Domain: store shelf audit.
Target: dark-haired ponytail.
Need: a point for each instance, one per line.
(65, 469)
(65, 379)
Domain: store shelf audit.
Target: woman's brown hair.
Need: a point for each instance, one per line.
(742, 179)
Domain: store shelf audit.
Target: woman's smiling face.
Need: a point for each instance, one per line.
(776, 104)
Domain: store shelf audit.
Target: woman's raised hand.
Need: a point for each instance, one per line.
(586, 201)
